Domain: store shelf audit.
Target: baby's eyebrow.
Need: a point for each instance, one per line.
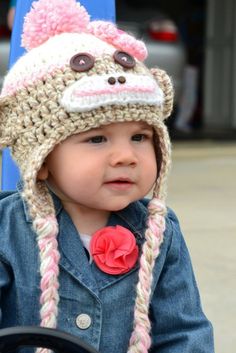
(97, 128)
(145, 126)
(90, 131)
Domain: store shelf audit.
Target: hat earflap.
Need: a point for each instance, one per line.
(45, 225)
(160, 188)
(140, 340)
(6, 138)
(46, 229)
(166, 85)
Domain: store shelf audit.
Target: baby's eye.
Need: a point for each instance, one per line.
(139, 137)
(97, 139)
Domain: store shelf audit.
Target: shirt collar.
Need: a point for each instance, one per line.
(134, 217)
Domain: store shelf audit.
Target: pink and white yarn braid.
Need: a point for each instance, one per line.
(140, 340)
(47, 230)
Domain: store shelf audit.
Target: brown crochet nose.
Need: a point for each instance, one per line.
(121, 79)
(112, 80)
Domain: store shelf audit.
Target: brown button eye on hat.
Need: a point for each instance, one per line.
(82, 62)
(124, 59)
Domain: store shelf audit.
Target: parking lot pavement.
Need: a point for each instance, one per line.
(202, 192)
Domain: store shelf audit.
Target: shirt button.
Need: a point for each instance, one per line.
(83, 321)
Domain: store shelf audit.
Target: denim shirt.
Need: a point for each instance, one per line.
(178, 322)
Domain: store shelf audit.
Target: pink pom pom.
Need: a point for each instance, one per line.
(48, 18)
(109, 33)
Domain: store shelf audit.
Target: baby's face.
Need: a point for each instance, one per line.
(105, 168)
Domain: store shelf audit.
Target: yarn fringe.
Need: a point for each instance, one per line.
(47, 230)
(140, 340)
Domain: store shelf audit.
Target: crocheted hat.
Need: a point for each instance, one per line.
(79, 74)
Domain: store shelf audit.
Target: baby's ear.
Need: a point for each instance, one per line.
(5, 135)
(166, 85)
(43, 173)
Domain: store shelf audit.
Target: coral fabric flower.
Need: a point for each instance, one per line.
(114, 250)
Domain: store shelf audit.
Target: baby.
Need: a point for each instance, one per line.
(81, 248)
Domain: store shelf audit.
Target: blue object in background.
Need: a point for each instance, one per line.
(102, 9)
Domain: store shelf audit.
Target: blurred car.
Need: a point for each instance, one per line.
(4, 55)
(150, 21)
(4, 39)
(164, 45)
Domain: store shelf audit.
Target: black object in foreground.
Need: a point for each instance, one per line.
(13, 338)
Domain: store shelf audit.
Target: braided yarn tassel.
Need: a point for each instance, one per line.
(140, 340)
(47, 230)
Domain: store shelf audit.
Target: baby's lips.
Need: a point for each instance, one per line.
(119, 179)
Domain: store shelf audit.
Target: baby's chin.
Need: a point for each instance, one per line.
(121, 205)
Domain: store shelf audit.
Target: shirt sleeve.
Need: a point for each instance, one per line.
(178, 322)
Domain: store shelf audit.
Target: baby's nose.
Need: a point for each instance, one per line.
(123, 154)
(112, 80)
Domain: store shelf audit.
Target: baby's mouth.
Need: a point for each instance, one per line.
(120, 180)
(120, 183)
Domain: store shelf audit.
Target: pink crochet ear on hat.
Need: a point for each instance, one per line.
(109, 33)
(48, 18)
